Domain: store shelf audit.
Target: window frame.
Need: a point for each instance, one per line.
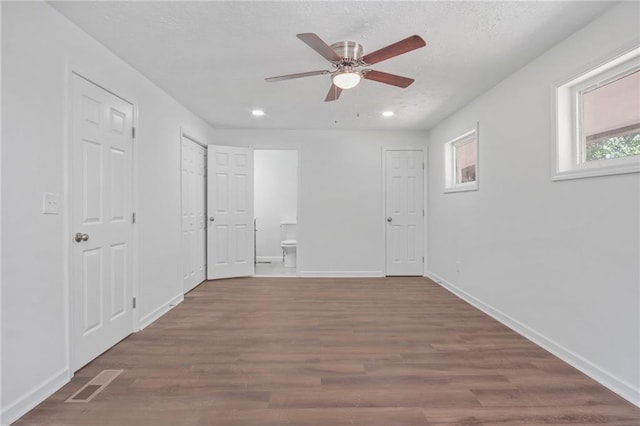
(570, 142)
(450, 151)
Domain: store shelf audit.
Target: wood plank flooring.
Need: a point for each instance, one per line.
(325, 352)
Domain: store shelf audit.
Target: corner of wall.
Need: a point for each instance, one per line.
(35, 396)
(615, 384)
(159, 311)
(341, 274)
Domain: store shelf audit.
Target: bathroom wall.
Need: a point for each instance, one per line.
(276, 198)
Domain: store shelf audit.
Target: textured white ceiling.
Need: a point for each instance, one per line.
(213, 56)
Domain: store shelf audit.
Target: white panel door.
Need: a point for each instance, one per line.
(404, 212)
(101, 217)
(230, 210)
(193, 214)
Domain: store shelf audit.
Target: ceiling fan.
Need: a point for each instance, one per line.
(346, 58)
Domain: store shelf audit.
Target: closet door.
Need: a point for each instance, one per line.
(102, 222)
(194, 231)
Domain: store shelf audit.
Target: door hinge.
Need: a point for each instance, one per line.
(133, 132)
(422, 259)
(134, 303)
(133, 218)
(422, 212)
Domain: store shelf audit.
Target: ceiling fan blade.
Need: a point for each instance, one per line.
(298, 75)
(334, 93)
(316, 43)
(395, 49)
(386, 78)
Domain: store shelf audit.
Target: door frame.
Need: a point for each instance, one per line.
(383, 219)
(103, 80)
(298, 186)
(184, 134)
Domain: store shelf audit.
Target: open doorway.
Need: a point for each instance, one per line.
(276, 212)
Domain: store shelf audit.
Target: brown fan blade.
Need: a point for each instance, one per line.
(316, 43)
(298, 75)
(334, 93)
(395, 49)
(386, 78)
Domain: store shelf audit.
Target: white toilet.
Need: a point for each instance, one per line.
(288, 243)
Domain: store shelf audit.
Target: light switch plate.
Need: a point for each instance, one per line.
(50, 203)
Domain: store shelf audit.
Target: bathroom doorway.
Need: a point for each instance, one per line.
(275, 212)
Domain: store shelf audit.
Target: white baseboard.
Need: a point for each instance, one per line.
(269, 258)
(31, 399)
(617, 385)
(340, 274)
(160, 311)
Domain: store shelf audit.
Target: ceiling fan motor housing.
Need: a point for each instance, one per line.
(349, 51)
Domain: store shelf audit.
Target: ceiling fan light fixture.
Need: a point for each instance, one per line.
(346, 79)
(346, 57)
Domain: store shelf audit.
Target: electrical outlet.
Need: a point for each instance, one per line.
(50, 203)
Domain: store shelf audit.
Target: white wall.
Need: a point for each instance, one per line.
(39, 49)
(526, 253)
(276, 198)
(1, 414)
(559, 261)
(340, 219)
(341, 182)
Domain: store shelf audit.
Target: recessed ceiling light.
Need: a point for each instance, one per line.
(388, 114)
(257, 112)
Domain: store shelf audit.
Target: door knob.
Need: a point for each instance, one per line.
(211, 219)
(389, 219)
(81, 237)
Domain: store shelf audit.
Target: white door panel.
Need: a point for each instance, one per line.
(200, 250)
(193, 214)
(404, 177)
(101, 189)
(230, 210)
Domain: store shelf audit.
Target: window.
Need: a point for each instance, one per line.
(461, 162)
(611, 119)
(598, 121)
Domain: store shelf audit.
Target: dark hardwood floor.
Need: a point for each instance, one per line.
(387, 351)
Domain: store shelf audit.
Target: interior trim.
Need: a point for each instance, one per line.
(29, 400)
(621, 387)
(160, 311)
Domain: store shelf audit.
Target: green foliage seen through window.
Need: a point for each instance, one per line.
(613, 147)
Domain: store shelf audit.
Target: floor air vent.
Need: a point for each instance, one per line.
(95, 386)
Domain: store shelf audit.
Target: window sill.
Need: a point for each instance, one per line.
(580, 173)
(461, 188)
